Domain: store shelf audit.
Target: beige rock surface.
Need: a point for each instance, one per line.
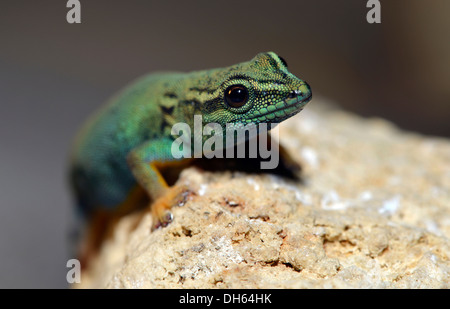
(373, 211)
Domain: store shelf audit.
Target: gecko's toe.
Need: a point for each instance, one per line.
(175, 196)
(163, 221)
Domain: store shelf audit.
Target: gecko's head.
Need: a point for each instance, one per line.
(261, 90)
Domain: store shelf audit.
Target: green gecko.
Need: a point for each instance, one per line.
(127, 141)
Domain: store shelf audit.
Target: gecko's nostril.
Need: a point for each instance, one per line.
(294, 93)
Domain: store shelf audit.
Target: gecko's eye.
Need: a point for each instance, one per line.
(236, 96)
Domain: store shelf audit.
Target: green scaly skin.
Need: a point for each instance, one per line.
(119, 145)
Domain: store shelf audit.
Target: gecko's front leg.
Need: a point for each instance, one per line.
(145, 162)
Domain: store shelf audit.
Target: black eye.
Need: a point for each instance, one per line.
(283, 61)
(236, 96)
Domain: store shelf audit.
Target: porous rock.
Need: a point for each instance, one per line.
(372, 211)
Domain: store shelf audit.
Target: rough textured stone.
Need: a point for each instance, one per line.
(373, 211)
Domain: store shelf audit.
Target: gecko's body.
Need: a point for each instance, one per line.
(122, 145)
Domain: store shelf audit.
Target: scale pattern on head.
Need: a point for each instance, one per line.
(260, 90)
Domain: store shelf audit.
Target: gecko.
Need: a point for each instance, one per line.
(126, 143)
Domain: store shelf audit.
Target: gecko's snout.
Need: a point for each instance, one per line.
(301, 94)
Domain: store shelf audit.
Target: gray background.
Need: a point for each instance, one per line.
(53, 74)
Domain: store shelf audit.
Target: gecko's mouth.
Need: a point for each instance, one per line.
(282, 110)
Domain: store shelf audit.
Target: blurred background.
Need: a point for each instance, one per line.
(54, 74)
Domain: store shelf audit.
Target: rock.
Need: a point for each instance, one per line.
(372, 211)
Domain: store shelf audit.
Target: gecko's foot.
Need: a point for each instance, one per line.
(163, 221)
(161, 207)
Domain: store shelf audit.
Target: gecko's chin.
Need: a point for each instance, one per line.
(284, 110)
(293, 107)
